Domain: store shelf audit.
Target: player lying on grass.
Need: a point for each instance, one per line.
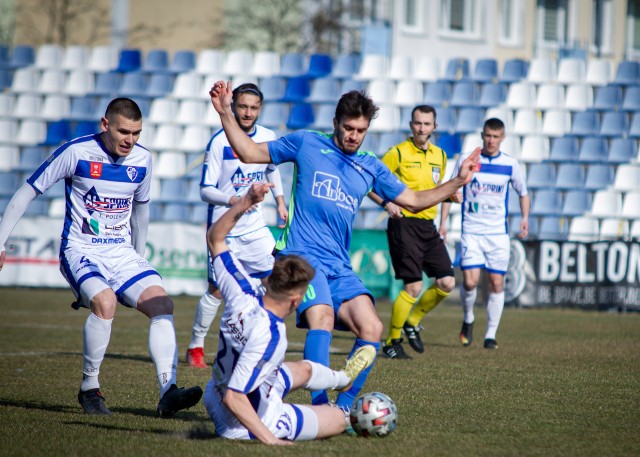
(244, 398)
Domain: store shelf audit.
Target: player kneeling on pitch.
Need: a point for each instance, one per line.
(244, 398)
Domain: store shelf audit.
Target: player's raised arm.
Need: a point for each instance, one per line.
(418, 201)
(217, 233)
(244, 147)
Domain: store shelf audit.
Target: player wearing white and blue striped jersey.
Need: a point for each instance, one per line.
(485, 233)
(107, 178)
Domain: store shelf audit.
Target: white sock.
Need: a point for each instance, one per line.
(95, 339)
(205, 314)
(468, 299)
(495, 305)
(325, 378)
(163, 350)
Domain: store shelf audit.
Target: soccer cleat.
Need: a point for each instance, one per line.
(195, 358)
(358, 362)
(176, 399)
(466, 333)
(394, 350)
(490, 343)
(413, 335)
(92, 402)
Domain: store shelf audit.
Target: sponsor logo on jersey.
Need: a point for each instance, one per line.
(93, 202)
(108, 240)
(239, 180)
(132, 173)
(96, 158)
(327, 187)
(435, 174)
(237, 330)
(90, 226)
(95, 170)
(486, 188)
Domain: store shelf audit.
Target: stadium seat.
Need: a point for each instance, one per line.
(546, 203)
(37, 207)
(238, 62)
(514, 204)
(437, 94)
(401, 67)
(570, 176)
(550, 96)
(599, 72)
(373, 66)
(576, 203)
(426, 68)
(210, 61)
(612, 228)
(346, 66)
(585, 123)
(55, 107)
(521, 95)
(371, 144)
(6, 79)
(106, 84)
(133, 85)
(31, 157)
(83, 128)
(593, 150)
(22, 56)
(167, 137)
(292, 64)
(634, 128)
(614, 124)
(57, 133)
(634, 231)
(607, 98)
(273, 88)
(447, 120)
(25, 80)
(527, 122)
(492, 94)
(541, 175)
(450, 144)
(514, 70)
(387, 140)
(534, 148)
(469, 120)
(382, 91)
(564, 149)
(7, 101)
(485, 71)
(351, 84)
(584, 228)
(606, 203)
(266, 64)
(156, 61)
(556, 123)
(599, 176)
(9, 157)
(129, 60)
(183, 61)
(170, 164)
(103, 59)
(194, 138)
(622, 150)
(297, 90)
(324, 118)
(198, 213)
(472, 141)
(320, 66)
(631, 206)
(628, 73)
(631, 100)
(75, 57)
(323, 90)
(48, 56)
(159, 85)
(388, 119)
(408, 92)
(27, 106)
(176, 212)
(275, 115)
(79, 82)
(579, 97)
(8, 130)
(627, 178)
(188, 86)
(541, 71)
(516, 219)
(504, 114)
(163, 110)
(553, 228)
(464, 94)
(457, 69)
(300, 116)
(52, 81)
(511, 145)
(571, 71)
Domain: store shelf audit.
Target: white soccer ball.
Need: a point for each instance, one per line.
(374, 414)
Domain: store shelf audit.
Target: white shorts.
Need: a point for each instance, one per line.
(286, 421)
(90, 271)
(253, 250)
(490, 252)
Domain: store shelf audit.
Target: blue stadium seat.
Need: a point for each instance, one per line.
(155, 212)
(553, 228)
(599, 176)
(371, 143)
(514, 203)
(346, 66)
(570, 176)
(22, 56)
(576, 203)
(57, 133)
(514, 226)
(457, 69)
(324, 90)
(564, 149)
(6, 79)
(107, 84)
(464, 94)
(273, 88)
(541, 175)
(133, 85)
(8, 182)
(31, 157)
(451, 144)
(292, 65)
(324, 118)
(157, 61)
(172, 189)
(176, 212)
(628, 73)
(82, 108)
(634, 128)
(593, 150)
(129, 60)
(274, 115)
(298, 89)
(470, 120)
(437, 93)
(614, 123)
(585, 123)
(37, 207)
(607, 98)
(352, 84)
(546, 203)
(84, 128)
(631, 100)
(300, 116)
(160, 84)
(4, 56)
(198, 213)
(492, 94)
(183, 61)
(320, 65)
(485, 70)
(447, 120)
(622, 150)
(387, 140)
(514, 70)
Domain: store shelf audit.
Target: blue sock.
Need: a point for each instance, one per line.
(345, 399)
(316, 349)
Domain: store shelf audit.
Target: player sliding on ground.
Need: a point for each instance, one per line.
(250, 378)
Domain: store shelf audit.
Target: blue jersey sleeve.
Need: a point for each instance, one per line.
(286, 149)
(386, 184)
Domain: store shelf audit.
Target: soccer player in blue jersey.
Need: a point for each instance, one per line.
(107, 177)
(332, 176)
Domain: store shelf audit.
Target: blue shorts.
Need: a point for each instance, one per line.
(330, 286)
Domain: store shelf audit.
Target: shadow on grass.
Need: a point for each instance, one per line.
(134, 357)
(38, 405)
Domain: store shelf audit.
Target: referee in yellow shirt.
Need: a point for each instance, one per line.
(415, 244)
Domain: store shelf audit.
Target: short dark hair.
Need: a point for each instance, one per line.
(426, 109)
(290, 273)
(354, 104)
(493, 124)
(125, 107)
(247, 88)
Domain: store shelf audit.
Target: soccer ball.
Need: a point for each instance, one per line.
(374, 414)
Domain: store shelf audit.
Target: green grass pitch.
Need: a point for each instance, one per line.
(563, 382)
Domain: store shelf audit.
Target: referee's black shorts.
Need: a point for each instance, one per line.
(415, 246)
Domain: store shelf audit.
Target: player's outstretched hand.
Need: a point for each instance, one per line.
(470, 165)
(3, 256)
(257, 191)
(221, 95)
(457, 197)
